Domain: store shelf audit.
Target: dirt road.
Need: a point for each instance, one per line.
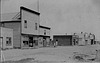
(45, 55)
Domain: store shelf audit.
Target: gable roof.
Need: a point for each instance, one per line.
(24, 8)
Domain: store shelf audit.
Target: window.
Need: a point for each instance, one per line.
(44, 32)
(35, 26)
(25, 43)
(25, 23)
(8, 41)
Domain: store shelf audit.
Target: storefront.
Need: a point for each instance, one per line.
(40, 41)
(75, 40)
(44, 41)
(29, 41)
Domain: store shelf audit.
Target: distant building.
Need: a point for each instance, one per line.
(81, 38)
(26, 27)
(64, 40)
(75, 39)
(44, 34)
(85, 38)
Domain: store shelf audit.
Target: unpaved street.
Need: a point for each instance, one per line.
(47, 54)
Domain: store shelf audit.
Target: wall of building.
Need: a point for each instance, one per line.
(31, 19)
(0, 31)
(0, 24)
(42, 30)
(0, 39)
(63, 40)
(6, 32)
(16, 32)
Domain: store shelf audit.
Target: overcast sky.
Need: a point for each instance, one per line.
(63, 16)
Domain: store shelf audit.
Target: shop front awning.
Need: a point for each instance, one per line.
(30, 34)
(43, 36)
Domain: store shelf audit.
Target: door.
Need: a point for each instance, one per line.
(30, 41)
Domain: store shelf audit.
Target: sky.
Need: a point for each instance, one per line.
(63, 16)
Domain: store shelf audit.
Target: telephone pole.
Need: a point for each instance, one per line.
(38, 5)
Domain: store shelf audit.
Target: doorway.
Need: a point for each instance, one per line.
(30, 41)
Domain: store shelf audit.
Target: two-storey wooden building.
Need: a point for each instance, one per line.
(25, 25)
(44, 35)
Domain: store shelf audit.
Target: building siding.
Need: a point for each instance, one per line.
(31, 19)
(41, 31)
(16, 32)
(6, 32)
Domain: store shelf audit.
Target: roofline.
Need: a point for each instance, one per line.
(62, 35)
(24, 8)
(29, 34)
(9, 21)
(44, 27)
(43, 36)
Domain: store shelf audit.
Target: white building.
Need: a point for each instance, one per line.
(85, 39)
(6, 38)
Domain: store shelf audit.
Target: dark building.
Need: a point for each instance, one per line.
(64, 40)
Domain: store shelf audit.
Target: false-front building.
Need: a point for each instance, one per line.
(26, 27)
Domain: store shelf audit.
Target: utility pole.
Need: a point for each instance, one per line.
(38, 12)
(38, 5)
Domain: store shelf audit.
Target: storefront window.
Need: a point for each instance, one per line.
(8, 41)
(25, 43)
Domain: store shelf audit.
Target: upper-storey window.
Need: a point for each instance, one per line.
(35, 26)
(44, 32)
(25, 23)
